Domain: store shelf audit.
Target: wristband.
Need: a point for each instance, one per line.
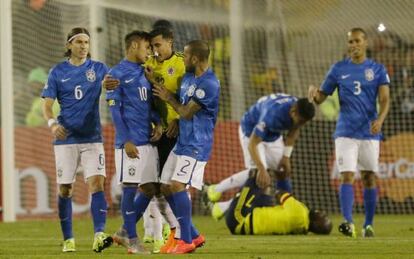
(51, 122)
(287, 151)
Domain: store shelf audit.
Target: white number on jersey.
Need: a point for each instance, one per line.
(78, 92)
(357, 87)
(142, 93)
(273, 96)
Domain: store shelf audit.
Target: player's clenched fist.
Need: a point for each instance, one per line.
(131, 150)
(110, 83)
(58, 131)
(312, 93)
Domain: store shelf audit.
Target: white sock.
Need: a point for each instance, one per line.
(147, 223)
(236, 180)
(155, 219)
(224, 205)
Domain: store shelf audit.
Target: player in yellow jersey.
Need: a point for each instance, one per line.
(252, 212)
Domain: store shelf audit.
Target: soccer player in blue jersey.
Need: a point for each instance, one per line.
(76, 84)
(260, 134)
(136, 159)
(360, 81)
(198, 107)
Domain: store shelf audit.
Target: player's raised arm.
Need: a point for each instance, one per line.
(262, 177)
(315, 95)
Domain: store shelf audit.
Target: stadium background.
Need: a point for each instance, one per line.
(258, 47)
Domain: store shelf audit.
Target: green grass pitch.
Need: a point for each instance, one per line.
(394, 239)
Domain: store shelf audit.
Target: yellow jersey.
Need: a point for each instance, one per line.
(169, 73)
(291, 217)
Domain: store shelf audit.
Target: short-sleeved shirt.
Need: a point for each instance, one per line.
(169, 73)
(196, 134)
(268, 117)
(135, 96)
(358, 86)
(77, 89)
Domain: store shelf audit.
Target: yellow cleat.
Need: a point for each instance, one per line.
(216, 212)
(158, 243)
(69, 245)
(101, 242)
(212, 194)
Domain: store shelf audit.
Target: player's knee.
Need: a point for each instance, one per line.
(65, 190)
(368, 179)
(96, 183)
(347, 177)
(148, 189)
(177, 186)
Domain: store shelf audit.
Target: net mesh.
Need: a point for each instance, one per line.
(285, 46)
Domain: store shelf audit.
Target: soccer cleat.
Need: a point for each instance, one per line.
(148, 239)
(348, 229)
(199, 241)
(169, 245)
(69, 245)
(121, 238)
(158, 243)
(183, 248)
(135, 247)
(166, 230)
(216, 212)
(212, 194)
(101, 241)
(368, 231)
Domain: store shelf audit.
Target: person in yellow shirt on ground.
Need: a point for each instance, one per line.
(252, 212)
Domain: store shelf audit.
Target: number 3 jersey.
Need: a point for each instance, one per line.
(77, 89)
(133, 98)
(268, 117)
(358, 86)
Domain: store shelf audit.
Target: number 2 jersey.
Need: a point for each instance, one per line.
(268, 117)
(77, 89)
(196, 134)
(358, 86)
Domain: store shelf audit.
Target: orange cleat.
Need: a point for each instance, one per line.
(183, 248)
(199, 241)
(170, 244)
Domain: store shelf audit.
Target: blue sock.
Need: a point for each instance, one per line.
(194, 231)
(370, 202)
(99, 209)
(284, 185)
(171, 202)
(141, 202)
(128, 211)
(183, 214)
(65, 216)
(346, 199)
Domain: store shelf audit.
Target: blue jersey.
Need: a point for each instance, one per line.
(77, 89)
(268, 117)
(133, 98)
(196, 134)
(358, 86)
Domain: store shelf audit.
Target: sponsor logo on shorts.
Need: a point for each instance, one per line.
(59, 172)
(131, 170)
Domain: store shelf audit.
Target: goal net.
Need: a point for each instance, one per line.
(258, 47)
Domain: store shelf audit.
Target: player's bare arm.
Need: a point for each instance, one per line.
(262, 177)
(185, 111)
(384, 103)
(110, 83)
(58, 130)
(172, 129)
(149, 74)
(315, 95)
(290, 140)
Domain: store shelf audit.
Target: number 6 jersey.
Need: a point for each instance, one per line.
(77, 89)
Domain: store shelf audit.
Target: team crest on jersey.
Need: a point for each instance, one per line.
(170, 71)
(131, 170)
(90, 75)
(200, 93)
(369, 74)
(190, 91)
